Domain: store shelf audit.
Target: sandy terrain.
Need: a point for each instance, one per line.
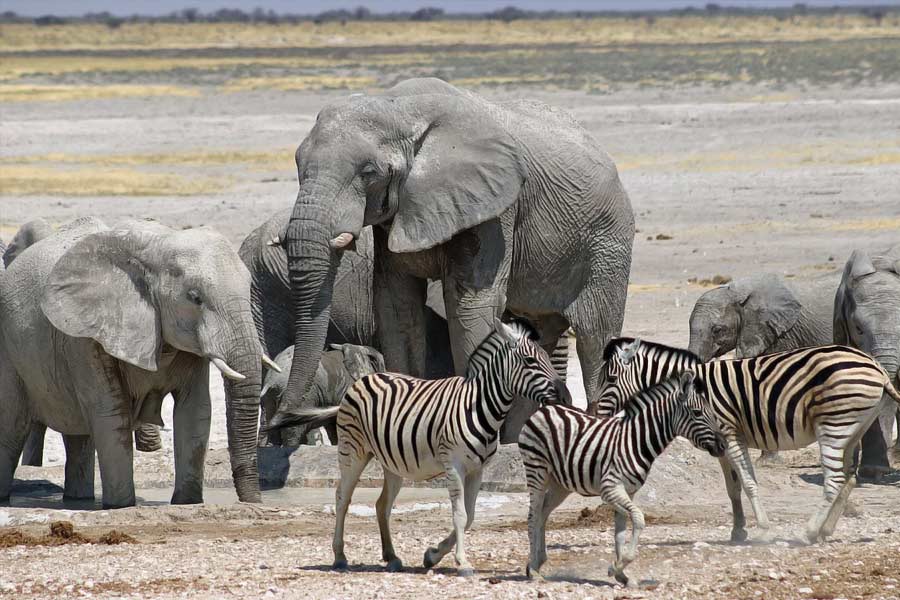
(724, 181)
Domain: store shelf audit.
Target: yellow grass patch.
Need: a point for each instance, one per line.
(642, 288)
(611, 30)
(59, 93)
(866, 225)
(281, 157)
(33, 180)
(302, 82)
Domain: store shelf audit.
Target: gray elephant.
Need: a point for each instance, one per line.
(99, 324)
(338, 369)
(146, 437)
(867, 316)
(351, 318)
(760, 315)
(512, 206)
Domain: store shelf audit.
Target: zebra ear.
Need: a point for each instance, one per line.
(627, 353)
(687, 381)
(505, 333)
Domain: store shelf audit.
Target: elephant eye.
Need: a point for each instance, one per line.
(368, 169)
(194, 296)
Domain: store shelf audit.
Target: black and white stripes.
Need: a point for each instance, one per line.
(565, 450)
(420, 429)
(782, 401)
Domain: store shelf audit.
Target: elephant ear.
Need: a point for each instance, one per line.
(466, 169)
(99, 289)
(858, 265)
(767, 313)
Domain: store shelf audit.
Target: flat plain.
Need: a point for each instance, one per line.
(746, 145)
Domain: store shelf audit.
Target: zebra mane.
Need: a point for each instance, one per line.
(616, 343)
(485, 352)
(652, 394)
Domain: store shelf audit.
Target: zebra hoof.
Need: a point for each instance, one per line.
(395, 565)
(429, 560)
(340, 564)
(738, 536)
(466, 571)
(620, 576)
(533, 574)
(765, 536)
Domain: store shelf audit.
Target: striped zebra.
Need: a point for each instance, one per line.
(420, 429)
(566, 450)
(781, 401)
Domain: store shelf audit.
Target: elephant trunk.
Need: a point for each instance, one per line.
(242, 413)
(312, 265)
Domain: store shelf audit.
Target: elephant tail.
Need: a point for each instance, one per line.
(891, 390)
(309, 417)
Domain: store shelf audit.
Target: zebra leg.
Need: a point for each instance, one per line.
(739, 457)
(535, 532)
(621, 502)
(839, 473)
(733, 486)
(389, 491)
(352, 466)
(457, 501)
(553, 497)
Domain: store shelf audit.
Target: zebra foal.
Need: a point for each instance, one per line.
(566, 450)
(781, 401)
(420, 429)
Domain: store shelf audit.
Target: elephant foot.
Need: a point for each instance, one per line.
(187, 498)
(395, 565)
(619, 575)
(430, 558)
(80, 496)
(465, 571)
(114, 505)
(738, 535)
(339, 564)
(533, 574)
(872, 472)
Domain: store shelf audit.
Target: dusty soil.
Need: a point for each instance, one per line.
(725, 181)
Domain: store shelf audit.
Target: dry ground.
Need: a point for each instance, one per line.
(747, 147)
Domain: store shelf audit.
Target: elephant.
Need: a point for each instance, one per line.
(351, 318)
(339, 368)
(512, 206)
(761, 315)
(98, 324)
(146, 437)
(867, 317)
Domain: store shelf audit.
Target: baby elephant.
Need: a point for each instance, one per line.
(339, 368)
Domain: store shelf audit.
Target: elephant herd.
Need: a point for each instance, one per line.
(422, 214)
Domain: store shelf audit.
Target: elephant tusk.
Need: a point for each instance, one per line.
(275, 241)
(226, 370)
(341, 241)
(270, 363)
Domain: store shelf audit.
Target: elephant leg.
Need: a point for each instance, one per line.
(79, 484)
(14, 424)
(400, 317)
(147, 438)
(191, 425)
(874, 461)
(33, 454)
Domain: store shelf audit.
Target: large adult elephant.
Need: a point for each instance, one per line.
(146, 437)
(867, 316)
(351, 319)
(99, 324)
(511, 205)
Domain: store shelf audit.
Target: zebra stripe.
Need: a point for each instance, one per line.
(565, 450)
(420, 429)
(781, 401)
(559, 358)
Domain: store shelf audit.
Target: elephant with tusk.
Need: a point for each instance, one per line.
(98, 324)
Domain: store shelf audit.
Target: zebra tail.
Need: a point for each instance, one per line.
(311, 417)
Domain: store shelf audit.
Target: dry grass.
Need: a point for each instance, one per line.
(28, 180)
(279, 157)
(612, 30)
(58, 93)
(300, 82)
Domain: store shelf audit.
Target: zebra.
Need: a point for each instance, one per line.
(781, 401)
(420, 429)
(565, 450)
